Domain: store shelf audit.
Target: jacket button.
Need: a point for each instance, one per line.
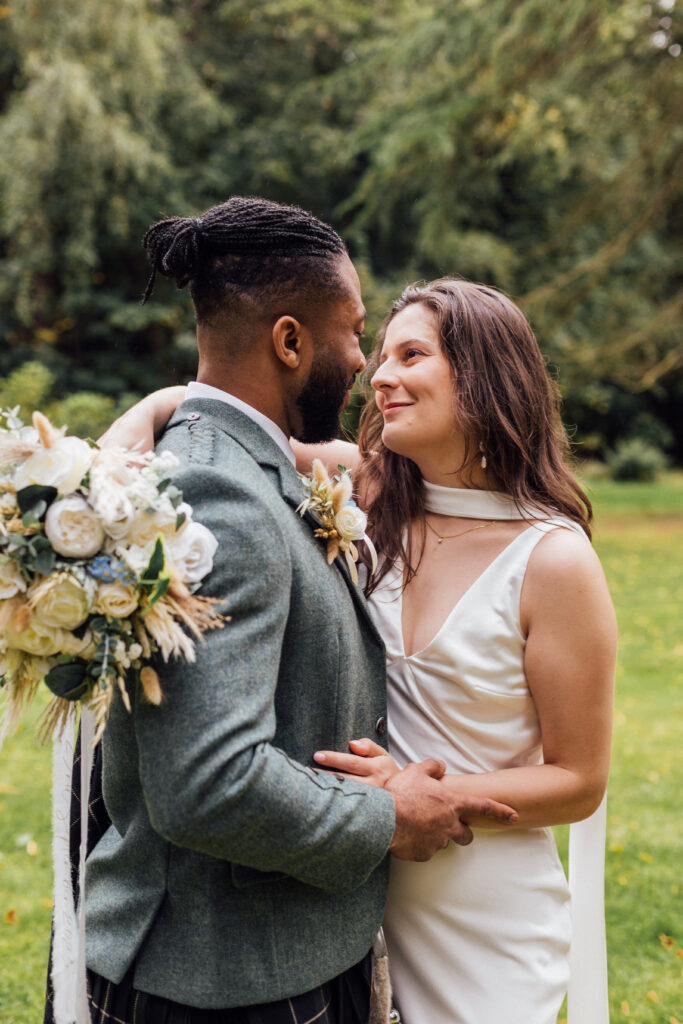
(192, 416)
(381, 725)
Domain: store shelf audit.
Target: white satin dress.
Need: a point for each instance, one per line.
(480, 934)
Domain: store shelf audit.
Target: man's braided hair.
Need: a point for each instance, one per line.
(244, 250)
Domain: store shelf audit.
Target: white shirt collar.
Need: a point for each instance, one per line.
(197, 390)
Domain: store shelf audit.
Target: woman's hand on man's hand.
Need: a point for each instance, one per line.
(367, 762)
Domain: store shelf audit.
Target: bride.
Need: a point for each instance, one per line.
(500, 640)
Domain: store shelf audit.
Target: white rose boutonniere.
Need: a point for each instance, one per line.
(341, 522)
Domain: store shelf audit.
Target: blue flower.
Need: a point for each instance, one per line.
(108, 570)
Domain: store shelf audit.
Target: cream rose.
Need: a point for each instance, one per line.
(136, 556)
(116, 510)
(36, 638)
(79, 646)
(62, 466)
(191, 550)
(116, 599)
(111, 480)
(350, 523)
(73, 528)
(11, 580)
(147, 526)
(60, 601)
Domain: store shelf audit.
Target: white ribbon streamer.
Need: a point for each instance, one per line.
(70, 1004)
(587, 997)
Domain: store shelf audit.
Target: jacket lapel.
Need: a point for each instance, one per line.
(266, 452)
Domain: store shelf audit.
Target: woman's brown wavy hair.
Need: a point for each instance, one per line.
(504, 399)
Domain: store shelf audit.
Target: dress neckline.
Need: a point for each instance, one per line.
(455, 607)
(469, 503)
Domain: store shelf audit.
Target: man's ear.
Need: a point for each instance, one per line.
(287, 341)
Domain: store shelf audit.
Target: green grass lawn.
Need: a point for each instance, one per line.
(639, 536)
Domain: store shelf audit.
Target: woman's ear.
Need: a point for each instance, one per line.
(287, 341)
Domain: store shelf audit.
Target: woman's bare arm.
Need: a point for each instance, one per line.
(139, 426)
(332, 455)
(143, 422)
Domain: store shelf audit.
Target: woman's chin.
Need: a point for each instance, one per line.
(398, 444)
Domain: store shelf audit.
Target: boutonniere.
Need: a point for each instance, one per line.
(329, 501)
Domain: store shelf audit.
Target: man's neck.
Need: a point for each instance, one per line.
(251, 387)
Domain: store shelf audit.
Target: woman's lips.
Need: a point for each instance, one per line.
(394, 407)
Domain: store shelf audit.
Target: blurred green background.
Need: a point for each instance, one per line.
(532, 145)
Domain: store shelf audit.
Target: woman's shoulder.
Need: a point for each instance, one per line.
(564, 547)
(563, 564)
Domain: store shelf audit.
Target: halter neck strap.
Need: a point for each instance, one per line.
(472, 504)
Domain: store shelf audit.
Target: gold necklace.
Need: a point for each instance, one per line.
(450, 536)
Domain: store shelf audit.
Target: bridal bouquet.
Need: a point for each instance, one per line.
(99, 563)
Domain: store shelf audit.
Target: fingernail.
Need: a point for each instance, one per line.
(319, 757)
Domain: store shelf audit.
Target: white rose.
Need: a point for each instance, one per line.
(73, 528)
(63, 466)
(116, 599)
(59, 601)
(115, 510)
(147, 526)
(11, 580)
(110, 483)
(136, 556)
(80, 646)
(164, 462)
(191, 550)
(350, 523)
(36, 638)
(8, 501)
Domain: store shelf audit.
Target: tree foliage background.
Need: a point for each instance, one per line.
(532, 145)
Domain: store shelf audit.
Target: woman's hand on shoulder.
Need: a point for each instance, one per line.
(142, 423)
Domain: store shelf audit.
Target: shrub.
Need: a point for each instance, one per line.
(635, 459)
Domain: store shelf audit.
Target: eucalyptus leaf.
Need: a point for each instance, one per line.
(45, 562)
(35, 496)
(68, 681)
(156, 564)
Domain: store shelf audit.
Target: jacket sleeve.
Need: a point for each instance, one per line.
(212, 779)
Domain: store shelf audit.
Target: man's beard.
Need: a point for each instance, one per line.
(320, 403)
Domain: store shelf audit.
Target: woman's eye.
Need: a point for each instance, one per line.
(410, 353)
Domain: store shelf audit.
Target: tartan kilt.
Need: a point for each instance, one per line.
(344, 1000)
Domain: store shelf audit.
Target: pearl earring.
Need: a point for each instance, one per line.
(484, 462)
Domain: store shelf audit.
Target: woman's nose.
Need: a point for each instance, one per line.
(383, 377)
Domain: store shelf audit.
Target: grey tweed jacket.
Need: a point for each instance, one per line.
(235, 873)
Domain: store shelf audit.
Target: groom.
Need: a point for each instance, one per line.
(237, 882)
